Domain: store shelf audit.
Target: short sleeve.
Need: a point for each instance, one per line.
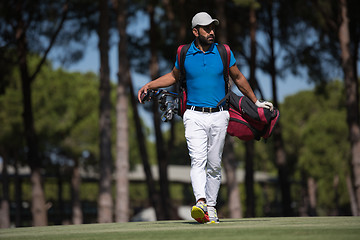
(176, 62)
(232, 59)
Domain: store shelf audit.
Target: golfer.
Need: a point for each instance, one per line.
(205, 123)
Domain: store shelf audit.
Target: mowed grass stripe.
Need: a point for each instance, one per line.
(322, 228)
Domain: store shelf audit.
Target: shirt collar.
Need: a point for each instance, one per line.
(193, 49)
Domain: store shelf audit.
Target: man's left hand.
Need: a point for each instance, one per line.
(265, 104)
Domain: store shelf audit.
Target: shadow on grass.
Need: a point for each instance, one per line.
(229, 220)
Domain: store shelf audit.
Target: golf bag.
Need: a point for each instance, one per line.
(247, 121)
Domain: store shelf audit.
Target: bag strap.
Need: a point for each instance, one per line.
(181, 54)
(225, 99)
(228, 54)
(224, 51)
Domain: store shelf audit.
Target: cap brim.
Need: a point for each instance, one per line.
(215, 21)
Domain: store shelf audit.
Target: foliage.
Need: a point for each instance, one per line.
(66, 119)
(66, 115)
(315, 132)
(11, 131)
(74, 19)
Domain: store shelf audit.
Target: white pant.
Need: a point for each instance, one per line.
(205, 135)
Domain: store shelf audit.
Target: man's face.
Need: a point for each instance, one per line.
(206, 34)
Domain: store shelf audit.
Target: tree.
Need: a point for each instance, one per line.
(352, 100)
(252, 7)
(11, 139)
(315, 135)
(66, 120)
(5, 203)
(7, 141)
(249, 158)
(338, 45)
(141, 140)
(122, 125)
(281, 161)
(23, 21)
(105, 202)
(166, 203)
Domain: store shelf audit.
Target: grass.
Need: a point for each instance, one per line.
(323, 228)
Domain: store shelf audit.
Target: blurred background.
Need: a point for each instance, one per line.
(76, 147)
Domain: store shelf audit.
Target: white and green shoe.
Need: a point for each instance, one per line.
(213, 218)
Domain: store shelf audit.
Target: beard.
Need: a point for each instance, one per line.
(206, 41)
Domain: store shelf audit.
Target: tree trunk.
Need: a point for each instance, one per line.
(77, 215)
(249, 179)
(311, 186)
(249, 158)
(122, 125)
(105, 202)
(182, 28)
(282, 167)
(337, 209)
(38, 209)
(166, 203)
(221, 15)
(60, 207)
(38, 206)
(5, 214)
(352, 98)
(162, 165)
(280, 154)
(304, 197)
(5, 204)
(253, 27)
(170, 18)
(18, 195)
(151, 185)
(353, 203)
(230, 166)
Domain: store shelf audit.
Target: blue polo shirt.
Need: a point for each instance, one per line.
(204, 76)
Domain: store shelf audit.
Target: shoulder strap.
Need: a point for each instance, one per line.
(181, 54)
(228, 58)
(224, 51)
(178, 53)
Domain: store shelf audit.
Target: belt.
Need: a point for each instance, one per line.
(205, 109)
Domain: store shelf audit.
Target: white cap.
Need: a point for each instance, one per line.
(203, 19)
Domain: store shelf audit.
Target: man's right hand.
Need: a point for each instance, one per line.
(265, 104)
(142, 93)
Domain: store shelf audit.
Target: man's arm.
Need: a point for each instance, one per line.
(243, 85)
(163, 81)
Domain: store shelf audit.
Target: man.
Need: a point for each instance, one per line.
(205, 123)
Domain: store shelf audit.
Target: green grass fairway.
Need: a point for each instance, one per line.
(325, 228)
